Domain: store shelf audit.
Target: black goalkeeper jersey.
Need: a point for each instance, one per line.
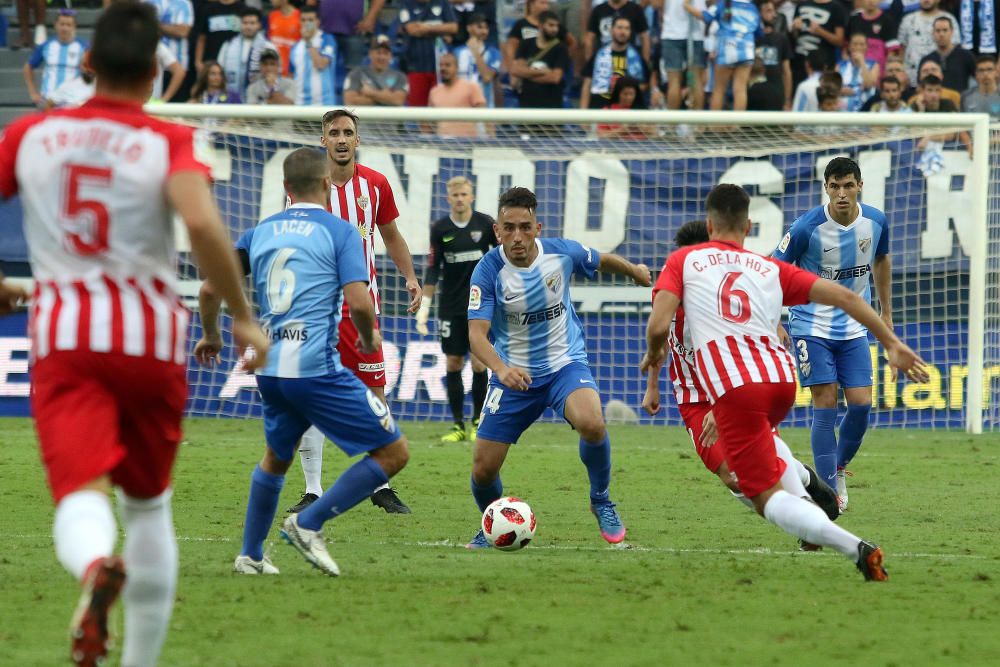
(453, 256)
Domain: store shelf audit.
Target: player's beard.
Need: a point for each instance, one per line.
(342, 161)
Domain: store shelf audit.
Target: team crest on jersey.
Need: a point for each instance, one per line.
(554, 282)
(436, 11)
(475, 297)
(476, 236)
(363, 202)
(864, 244)
(783, 246)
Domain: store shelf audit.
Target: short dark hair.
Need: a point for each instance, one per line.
(548, 15)
(839, 167)
(891, 79)
(252, 11)
(476, 19)
(517, 197)
(825, 93)
(930, 80)
(942, 18)
(986, 58)
(622, 18)
(728, 205)
(270, 54)
(304, 170)
(308, 9)
(125, 39)
(334, 114)
(693, 232)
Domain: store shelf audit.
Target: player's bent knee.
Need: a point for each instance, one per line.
(273, 464)
(393, 457)
(592, 431)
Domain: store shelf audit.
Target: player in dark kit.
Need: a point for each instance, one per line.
(458, 242)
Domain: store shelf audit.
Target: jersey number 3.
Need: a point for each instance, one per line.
(85, 221)
(734, 304)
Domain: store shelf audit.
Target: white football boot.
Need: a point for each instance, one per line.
(247, 565)
(311, 544)
(842, 488)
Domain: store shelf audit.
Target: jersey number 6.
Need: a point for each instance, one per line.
(734, 304)
(280, 282)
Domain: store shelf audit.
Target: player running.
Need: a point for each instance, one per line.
(732, 302)
(458, 241)
(696, 409)
(361, 196)
(846, 242)
(519, 294)
(99, 185)
(306, 264)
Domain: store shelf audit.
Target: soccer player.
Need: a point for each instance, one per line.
(846, 242)
(99, 186)
(306, 264)
(696, 409)
(361, 196)
(519, 294)
(458, 241)
(732, 302)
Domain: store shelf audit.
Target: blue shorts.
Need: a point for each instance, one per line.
(675, 55)
(735, 51)
(338, 404)
(822, 361)
(508, 413)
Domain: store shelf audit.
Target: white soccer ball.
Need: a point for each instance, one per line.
(508, 524)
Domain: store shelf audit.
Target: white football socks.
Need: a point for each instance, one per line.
(84, 530)
(311, 454)
(150, 555)
(806, 521)
(791, 480)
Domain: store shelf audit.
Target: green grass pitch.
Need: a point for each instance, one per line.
(705, 582)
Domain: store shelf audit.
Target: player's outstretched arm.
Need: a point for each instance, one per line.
(396, 246)
(479, 342)
(190, 196)
(363, 316)
(658, 328)
(612, 263)
(897, 352)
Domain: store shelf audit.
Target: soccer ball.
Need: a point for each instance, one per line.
(508, 524)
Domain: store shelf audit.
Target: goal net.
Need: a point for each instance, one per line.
(625, 182)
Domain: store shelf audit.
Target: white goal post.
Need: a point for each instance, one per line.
(630, 193)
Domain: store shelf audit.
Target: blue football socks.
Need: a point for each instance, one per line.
(824, 444)
(485, 495)
(261, 507)
(852, 432)
(354, 485)
(597, 457)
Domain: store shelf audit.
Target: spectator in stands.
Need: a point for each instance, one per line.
(26, 11)
(820, 73)
(74, 92)
(478, 61)
(210, 86)
(217, 22)
(619, 58)
(465, 10)
(422, 22)
(314, 63)
(828, 98)
(240, 56)
(376, 84)
(600, 27)
(916, 34)
(455, 93)
(176, 21)
(59, 57)
(860, 73)
(627, 94)
(932, 68)
(348, 22)
(527, 28)
(761, 95)
(929, 100)
(879, 27)
(540, 64)
(959, 65)
(739, 22)
(169, 75)
(891, 97)
(983, 97)
(271, 87)
(775, 52)
(674, 33)
(893, 67)
(818, 26)
(284, 28)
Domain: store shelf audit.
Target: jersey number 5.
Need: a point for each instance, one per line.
(85, 221)
(734, 304)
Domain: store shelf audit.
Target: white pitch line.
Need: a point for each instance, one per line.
(625, 547)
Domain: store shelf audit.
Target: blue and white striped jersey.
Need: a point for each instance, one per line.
(820, 245)
(62, 62)
(314, 86)
(178, 12)
(300, 260)
(743, 20)
(468, 70)
(532, 320)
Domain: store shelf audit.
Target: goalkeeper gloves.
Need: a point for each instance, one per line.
(423, 313)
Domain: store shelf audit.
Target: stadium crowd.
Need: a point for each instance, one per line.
(828, 55)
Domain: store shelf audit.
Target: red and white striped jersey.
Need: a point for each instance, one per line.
(365, 200)
(732, 302)
(683, 368)
(99, 230)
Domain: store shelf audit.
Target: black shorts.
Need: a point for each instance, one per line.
(454, 333)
